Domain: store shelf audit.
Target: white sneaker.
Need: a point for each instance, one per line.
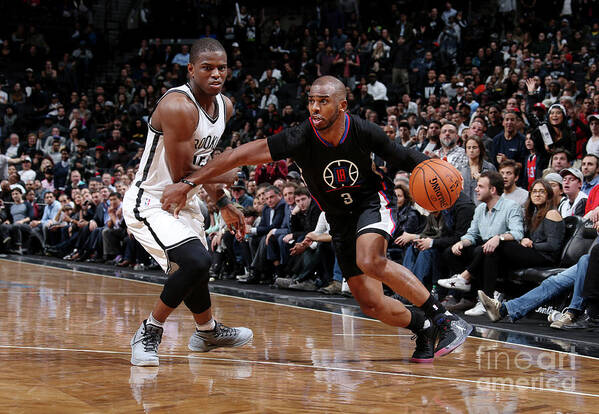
(498, 296)
(554, 316)
(455, 282)
(477, 310)
(144, 345)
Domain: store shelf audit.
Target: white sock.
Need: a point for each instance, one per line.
(154, 322)
(208, 326)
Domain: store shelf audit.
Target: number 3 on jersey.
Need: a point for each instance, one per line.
(347, 198)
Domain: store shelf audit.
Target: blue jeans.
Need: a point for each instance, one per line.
(337, 274)
(552, 286)
(423, 263)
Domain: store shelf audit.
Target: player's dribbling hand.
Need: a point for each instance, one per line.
(234, 219)
(174, 197)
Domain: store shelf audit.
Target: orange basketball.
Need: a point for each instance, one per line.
(435, 184)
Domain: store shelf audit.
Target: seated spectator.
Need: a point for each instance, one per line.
(26, 172)
(575, 201)
(560, 160)
(590, 172)
(409, 223)
(75, 182)
(304, 219)
(496, 220)
(239, 193)
(16, 227)
(475, 151)
(510, 171)
(450, 151)
(115, 230)
(42, 227)
(517, 308)
(509, 144)
(592, 145)
(442, 230)
(266, 254)
(62, 170)
(556, 132)
(83, 162)
(12, 149)
(54, 151)
(534, 165)
(544, 232)
(556, 183)
(90, 234)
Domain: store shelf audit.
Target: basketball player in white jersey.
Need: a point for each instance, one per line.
(184, 129)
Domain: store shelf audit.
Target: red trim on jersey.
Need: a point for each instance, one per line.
(343, 188)
(316, 201)
(327, 143)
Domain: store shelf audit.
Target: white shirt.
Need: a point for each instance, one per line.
(378, 91)
(593, 146)
(267, 100)
(27, 175)
(566, 208)
(519, 195)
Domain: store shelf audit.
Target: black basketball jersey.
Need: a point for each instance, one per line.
(343, 178)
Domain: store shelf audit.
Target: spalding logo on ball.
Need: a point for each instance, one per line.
(435, 184)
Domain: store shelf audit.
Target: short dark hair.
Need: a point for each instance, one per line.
(116, 194)
(289, 183)
(250, 212)
(205, 44)
(592, 155)
(495, 180)
(511, 164)
(560, 150)
(302, 191)
(273, 188)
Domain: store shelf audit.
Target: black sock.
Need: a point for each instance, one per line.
(417, 321)
(503, 310)
(432, 308)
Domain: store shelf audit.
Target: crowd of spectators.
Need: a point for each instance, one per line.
(508, 95)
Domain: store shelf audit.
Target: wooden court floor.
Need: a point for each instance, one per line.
(64, 348)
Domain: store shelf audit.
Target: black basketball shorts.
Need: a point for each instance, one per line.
(377, 218)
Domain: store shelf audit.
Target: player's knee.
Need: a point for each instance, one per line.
(191, 256)
(370, 263)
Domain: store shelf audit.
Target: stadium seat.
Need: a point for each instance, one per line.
(579, 237)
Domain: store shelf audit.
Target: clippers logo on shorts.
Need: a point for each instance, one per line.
(340, 173)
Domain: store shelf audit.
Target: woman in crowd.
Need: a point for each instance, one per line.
(409, 223)
(475, 151)
(553, 134)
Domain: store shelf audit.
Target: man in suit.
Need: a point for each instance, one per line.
(264, 245)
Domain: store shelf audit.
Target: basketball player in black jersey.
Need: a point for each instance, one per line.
(333, 150)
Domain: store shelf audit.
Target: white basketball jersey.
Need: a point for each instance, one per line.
(153, 173)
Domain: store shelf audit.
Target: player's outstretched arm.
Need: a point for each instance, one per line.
(256, 152)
